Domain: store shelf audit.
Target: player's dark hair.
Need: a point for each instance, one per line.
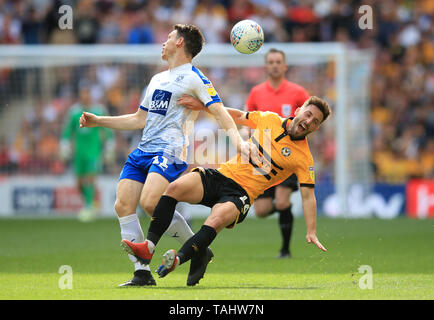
(193, 38)
(273, 50)
(322, 105)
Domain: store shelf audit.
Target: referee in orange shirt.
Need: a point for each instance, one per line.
(283, 97)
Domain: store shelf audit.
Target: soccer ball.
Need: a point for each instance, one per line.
(247, 36)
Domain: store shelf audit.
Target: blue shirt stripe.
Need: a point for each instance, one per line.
(201, 75)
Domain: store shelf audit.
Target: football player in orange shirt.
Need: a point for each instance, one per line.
(231, 189)
(283, 97)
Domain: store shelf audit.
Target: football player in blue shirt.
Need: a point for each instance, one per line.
(160, 157)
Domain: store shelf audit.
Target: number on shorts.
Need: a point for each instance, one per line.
(163, 164)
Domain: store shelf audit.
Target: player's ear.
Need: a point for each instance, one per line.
(296, 111)
(179, 41)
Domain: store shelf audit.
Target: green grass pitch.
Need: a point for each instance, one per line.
(400, 253)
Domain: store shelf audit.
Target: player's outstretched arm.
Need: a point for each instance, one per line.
(132, 121)
(239, 116)
(192, 103)
(309, 209)
(226, 118)
(226, 122)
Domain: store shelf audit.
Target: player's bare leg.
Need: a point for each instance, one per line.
(222, 215)
(264, 207)
(187, 188)
(153, 189)
(127, 197)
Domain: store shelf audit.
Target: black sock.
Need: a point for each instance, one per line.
(200, 241)
(160, 221)
(286, 220)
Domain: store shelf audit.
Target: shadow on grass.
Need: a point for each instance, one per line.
(218, 288)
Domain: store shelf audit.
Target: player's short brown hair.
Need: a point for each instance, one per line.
(322, 105)
(273, 50)
(193, 38)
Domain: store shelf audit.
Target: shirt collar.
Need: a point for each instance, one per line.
(278, 89)
(182, 66)
(284, 123)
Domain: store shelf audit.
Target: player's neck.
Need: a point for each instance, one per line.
(275, 83)
(178, 60)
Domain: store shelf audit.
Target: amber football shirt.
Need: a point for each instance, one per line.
(280, 157)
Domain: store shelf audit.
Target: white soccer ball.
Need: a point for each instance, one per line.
(247, 36)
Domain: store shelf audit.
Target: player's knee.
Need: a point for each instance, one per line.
(217, 222)
(148, 205)
(123, 208)
(261, 213)
(282, 204)
(222, 218)
(263, 210)
(174, 190)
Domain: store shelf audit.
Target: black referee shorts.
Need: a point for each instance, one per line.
(219, 189)
(291, 182)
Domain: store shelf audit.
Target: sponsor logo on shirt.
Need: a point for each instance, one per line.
(160, 101)
(286, 151)
(210, 89)
(179, 78)
(312, 173)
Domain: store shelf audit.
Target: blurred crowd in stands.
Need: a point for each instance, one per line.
(401, 92)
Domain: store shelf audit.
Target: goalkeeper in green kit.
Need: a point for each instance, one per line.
(86, 145)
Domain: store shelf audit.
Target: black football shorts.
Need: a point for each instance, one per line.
(219, 189)
(291, 182)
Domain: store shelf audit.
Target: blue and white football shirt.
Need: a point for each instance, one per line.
(168, 124)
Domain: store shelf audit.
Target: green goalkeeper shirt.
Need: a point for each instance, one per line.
(88, 142)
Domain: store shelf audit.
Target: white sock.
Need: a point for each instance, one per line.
(151, 246)
(179, 229)
(139, 266)
(132, 231)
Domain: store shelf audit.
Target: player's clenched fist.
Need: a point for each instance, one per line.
(89, 120)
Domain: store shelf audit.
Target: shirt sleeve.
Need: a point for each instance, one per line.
(144, 105)
(204, 89)
(306, 174)
(254, 118)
